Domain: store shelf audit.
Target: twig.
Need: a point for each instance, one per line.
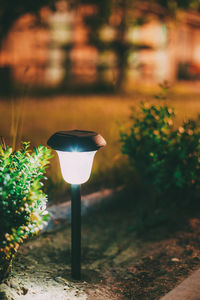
(3, 142)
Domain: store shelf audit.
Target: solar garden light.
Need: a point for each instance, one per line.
(76, 150)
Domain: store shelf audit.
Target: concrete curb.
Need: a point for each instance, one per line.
(62, 212)
(189, 289)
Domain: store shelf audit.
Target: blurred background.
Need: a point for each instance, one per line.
(83, 64)
(97, 44)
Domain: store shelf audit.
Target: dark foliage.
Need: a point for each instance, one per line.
(167, 160)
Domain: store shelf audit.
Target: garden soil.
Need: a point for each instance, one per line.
(117, 261)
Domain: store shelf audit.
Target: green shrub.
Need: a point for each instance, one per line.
(166, 158)
(22, 201)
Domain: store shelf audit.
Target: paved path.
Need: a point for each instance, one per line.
(189, 289)
(62, 211)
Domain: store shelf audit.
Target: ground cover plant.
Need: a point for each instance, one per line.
(22, 200)
(166, 159)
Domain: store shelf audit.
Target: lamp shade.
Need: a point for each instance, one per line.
(76, 150)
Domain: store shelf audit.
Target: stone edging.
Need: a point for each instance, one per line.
(189, 289)
(62, 211)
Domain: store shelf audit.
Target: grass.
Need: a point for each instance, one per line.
(36, 120)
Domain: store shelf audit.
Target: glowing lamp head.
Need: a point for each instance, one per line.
(76, 150)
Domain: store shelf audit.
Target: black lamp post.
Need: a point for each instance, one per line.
(76, 150)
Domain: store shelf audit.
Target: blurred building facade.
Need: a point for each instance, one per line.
(60, 52)
(172, 51)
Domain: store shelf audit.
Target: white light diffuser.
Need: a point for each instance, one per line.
(76, 166)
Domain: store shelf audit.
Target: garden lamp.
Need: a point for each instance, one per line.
(76, 150)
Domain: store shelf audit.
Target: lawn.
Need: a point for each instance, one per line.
(35, 119)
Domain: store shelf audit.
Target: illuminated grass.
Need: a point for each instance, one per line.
(104, 114)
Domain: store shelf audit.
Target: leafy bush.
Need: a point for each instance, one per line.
(22, 201)
(165, 157)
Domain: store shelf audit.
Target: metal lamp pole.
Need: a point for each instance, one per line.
(76, 231)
